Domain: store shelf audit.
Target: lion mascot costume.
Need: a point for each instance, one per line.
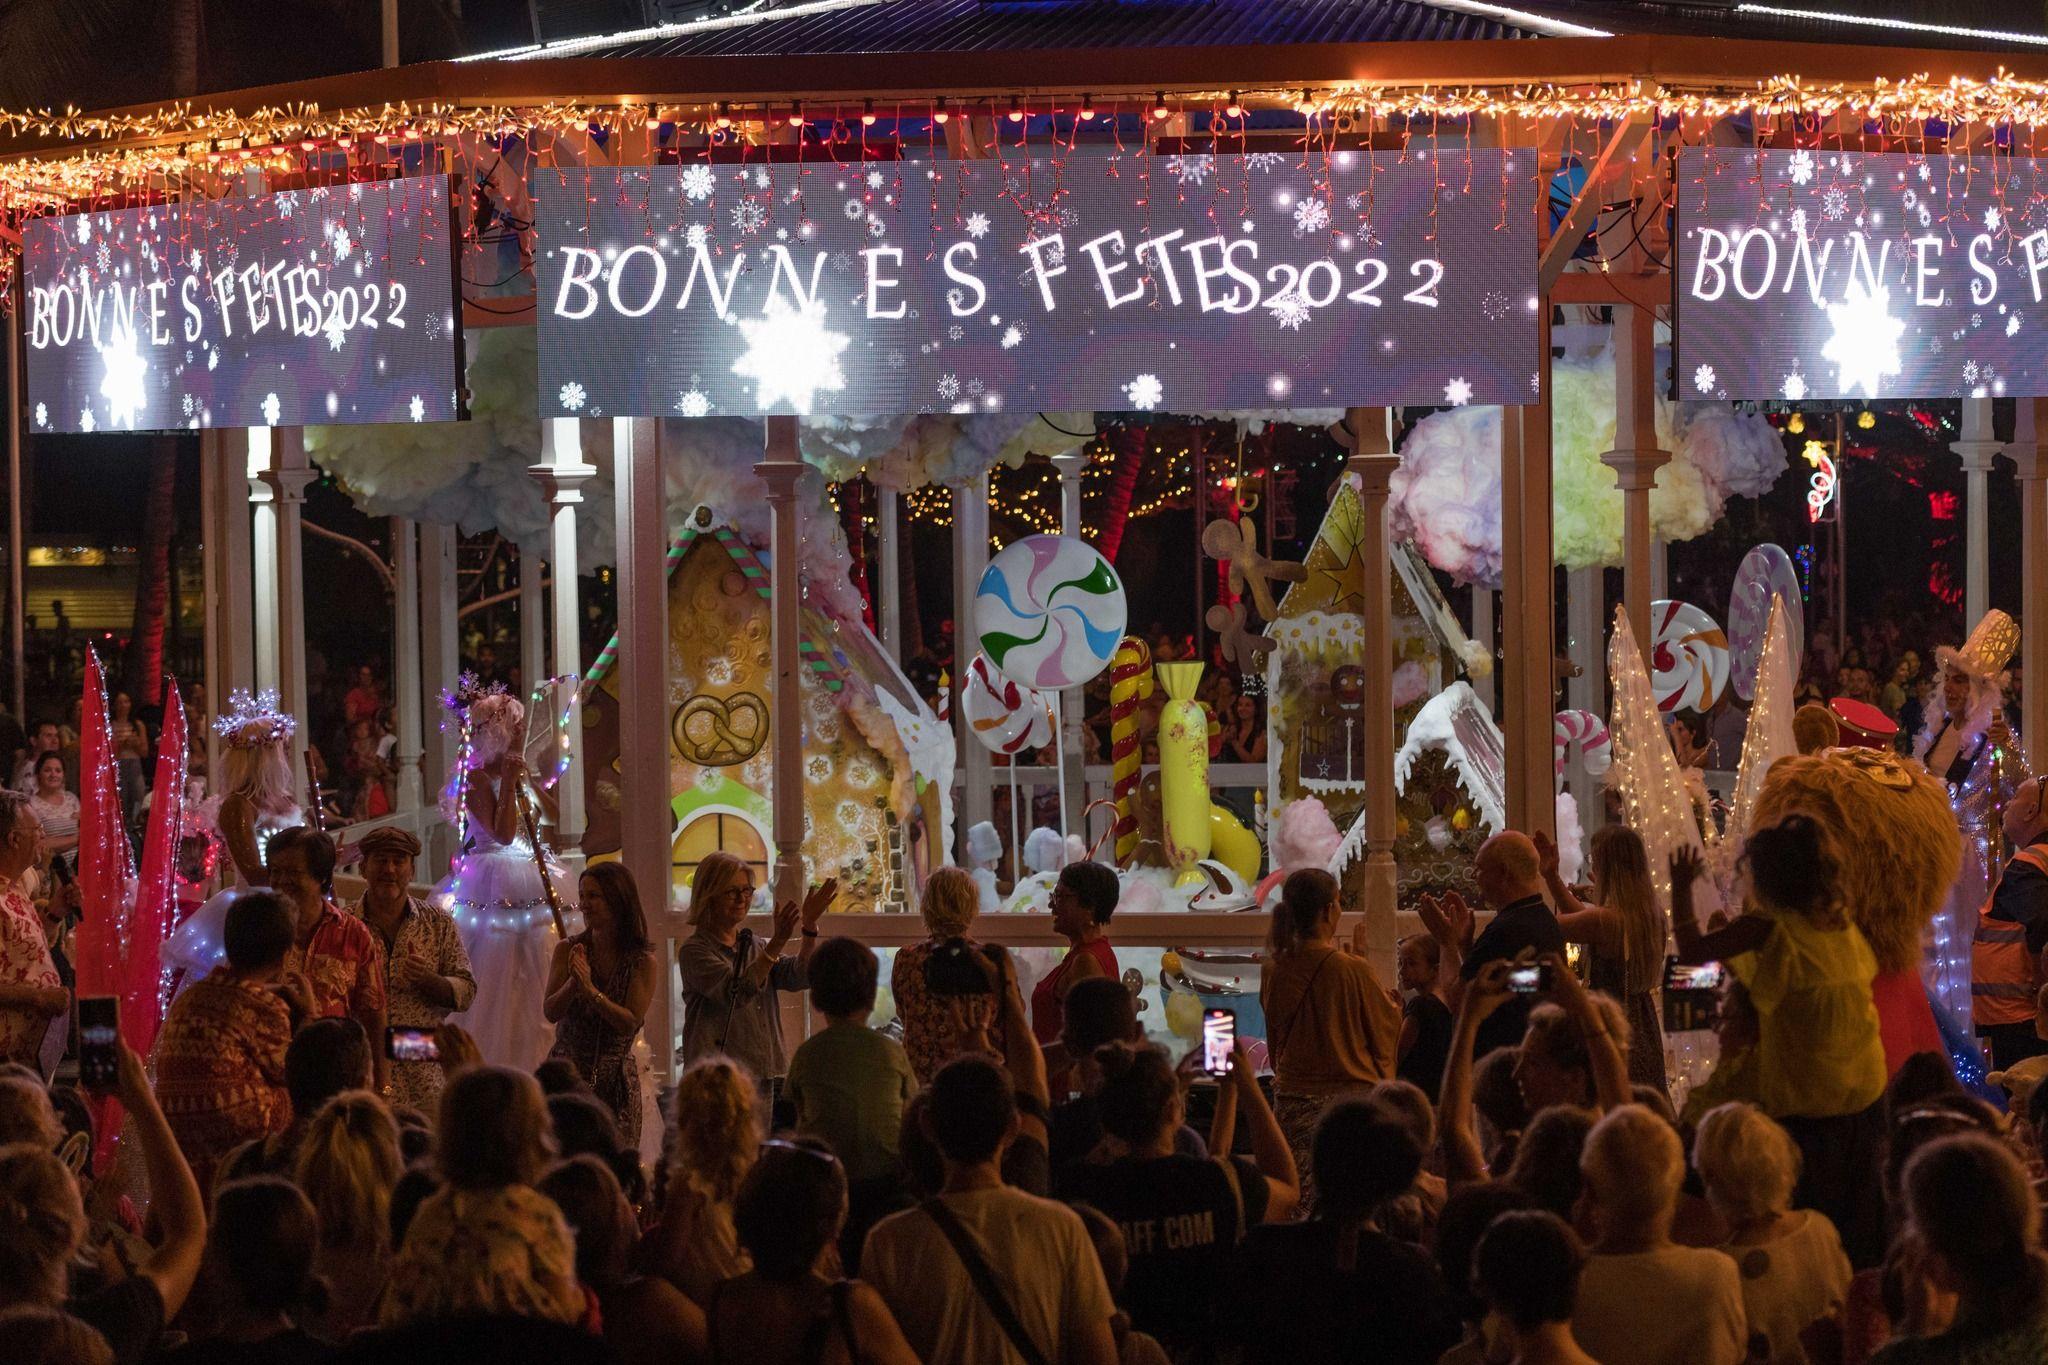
(1896, 845)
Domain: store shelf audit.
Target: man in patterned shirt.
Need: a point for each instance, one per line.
(334, 970)
(425, 966)
(31, 992)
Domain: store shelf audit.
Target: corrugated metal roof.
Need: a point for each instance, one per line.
(974, 26)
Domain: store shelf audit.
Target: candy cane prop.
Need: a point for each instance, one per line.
(1130, 678)
(1589, 733)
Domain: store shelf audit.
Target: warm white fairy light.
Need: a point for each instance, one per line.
(1769, 735)
(1646, 771)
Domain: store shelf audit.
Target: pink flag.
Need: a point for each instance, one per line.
(106, 869)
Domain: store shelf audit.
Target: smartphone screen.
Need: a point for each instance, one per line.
(99, 1034)
(1219, 1040)
(1526, 980)
(1704, 976)
(402, 1044)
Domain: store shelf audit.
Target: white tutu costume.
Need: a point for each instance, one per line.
(494, 892)
(195, 947)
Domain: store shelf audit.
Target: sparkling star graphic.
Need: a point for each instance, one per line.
(1865, 345)
(791, 355)
(122, 385)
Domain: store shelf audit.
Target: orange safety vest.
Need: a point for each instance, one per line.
(2002, 984)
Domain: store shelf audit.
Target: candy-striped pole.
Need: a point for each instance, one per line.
(1130, 670)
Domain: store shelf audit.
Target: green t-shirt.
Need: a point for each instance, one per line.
(849, 1084)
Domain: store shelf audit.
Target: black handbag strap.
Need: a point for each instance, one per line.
(984, 1281)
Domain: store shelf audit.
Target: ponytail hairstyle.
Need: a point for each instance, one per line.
(1138, 1092)
(1304, 896)
(348, 1163)
(1792, 868)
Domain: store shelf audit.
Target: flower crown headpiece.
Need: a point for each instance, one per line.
(253, 721)
(467, 692)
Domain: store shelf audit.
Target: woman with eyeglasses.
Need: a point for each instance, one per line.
(732, 984)
(792, 1308)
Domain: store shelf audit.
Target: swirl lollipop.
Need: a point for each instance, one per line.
(1688, 656)
(1005, 716)
(1765, 570)
(1049, 612)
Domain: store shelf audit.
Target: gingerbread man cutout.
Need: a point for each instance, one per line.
(1241, 646)
(1237, 543)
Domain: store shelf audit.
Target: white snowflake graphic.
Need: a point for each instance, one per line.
(43, 411)
(342, 246)
(955, 332)
(271, 409)
(694, 403)
(696, 235)
(855, 210)
(212, 359)
(1264, 161)
(1800, 167)
(975, 388)
(698, 182)
(286, 203)
(2012, 325)
(1969, 371)
(1458, 393)
(791, 355)
(1703, 379)
(102, 257)
(897, 360)
(877, 228)
(335, 334)
(977, 224)
(1289, 309)
(949, 387)
(189, 404)
(875, 180)
(761, 180)
(85, 421)
(1495, 305)
(417, 409)
(1799, 222)
(750, 215)
(1794, 387)
(84, 228)
(1311, 215)
(1191, 169)
(1834, 202)
(1013, 336)
(1865, 344)
(1992, 217)
(572, 396)
(1144, 392)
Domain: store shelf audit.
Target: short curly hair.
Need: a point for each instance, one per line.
(951, 901)
(1749, 1164)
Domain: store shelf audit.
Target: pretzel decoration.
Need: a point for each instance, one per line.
(718, 732)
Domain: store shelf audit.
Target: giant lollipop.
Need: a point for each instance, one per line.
(1004, 715)
(1688, 657)
(1049, 612)
(1765, 570)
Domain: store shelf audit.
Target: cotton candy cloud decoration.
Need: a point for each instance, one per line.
(1447, 494)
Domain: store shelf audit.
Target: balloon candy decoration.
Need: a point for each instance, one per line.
(1588, 733)
(1130, 682)
(1765, 570)
(1005, 716)
(1184, 767)
(1688, 657)
(1049, 611)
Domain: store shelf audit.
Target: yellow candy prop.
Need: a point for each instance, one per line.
(1183, 766)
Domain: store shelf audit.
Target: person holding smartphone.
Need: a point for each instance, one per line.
(426, 968)
(31, 991)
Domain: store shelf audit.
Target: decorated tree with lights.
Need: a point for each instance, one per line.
(1658, 804)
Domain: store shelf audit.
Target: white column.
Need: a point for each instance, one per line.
(440, 649)
(1585, 618)
(17, 548)
(780, 469)
(213, 534)
(1978, 447)
(1074, 700)
(562, 476)
(1374, 461)
(533, 620)
(406, 690)
(970, 558)
(287, 477)
(1635, 462)
(888, 575)
(643, 692)
(1484, 604)
(263, 558)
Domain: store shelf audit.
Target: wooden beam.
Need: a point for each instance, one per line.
(1636, 290)
(1585, 210)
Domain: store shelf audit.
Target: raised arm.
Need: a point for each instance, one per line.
(1604, 1056)
(1744, 934)
(174, 1194)
(1464, 1161)
(238, 831)
(1270, 1151)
